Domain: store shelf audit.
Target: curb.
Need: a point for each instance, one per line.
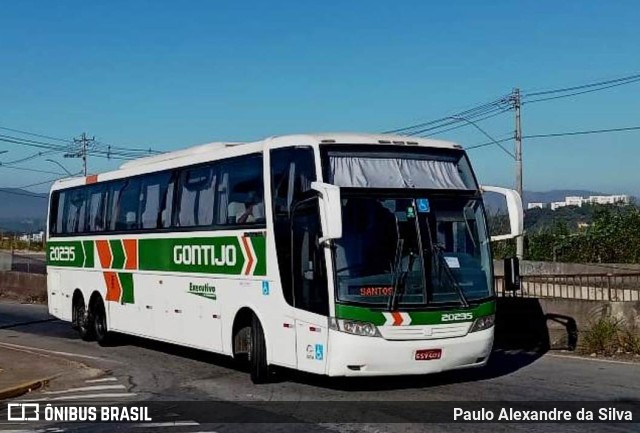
(23, 388)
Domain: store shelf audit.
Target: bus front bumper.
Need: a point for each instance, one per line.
(352, 355)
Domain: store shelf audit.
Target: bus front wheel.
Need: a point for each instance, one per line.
(258, 366)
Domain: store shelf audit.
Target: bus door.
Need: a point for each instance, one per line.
(310, 292)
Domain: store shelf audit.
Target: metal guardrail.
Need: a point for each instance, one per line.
(592, 287)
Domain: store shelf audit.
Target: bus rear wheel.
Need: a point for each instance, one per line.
(81, 321)
(258, 367)
(100, 328)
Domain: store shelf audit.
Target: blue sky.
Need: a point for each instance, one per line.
(172, 74)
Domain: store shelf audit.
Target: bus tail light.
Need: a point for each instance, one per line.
(482, 323)
(354, 327)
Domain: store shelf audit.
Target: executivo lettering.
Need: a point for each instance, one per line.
(205, 290)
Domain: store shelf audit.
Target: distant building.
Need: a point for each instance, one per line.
(536, 205)
(574, 201)
(32, 237)
(579, 201)
(608, 199)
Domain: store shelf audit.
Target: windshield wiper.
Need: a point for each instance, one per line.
(400, 276)
(437, 251)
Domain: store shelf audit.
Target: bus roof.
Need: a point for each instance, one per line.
(211, 151)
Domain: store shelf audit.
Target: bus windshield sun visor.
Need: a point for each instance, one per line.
(386, 172)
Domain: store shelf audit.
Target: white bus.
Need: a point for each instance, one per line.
(337, 254)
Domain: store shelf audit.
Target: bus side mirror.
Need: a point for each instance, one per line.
(330, 210)
(511, 274)
(514, 207)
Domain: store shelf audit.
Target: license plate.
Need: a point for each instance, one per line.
(428, 354)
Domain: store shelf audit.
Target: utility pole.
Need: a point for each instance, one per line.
(518, 154)
(83, 142)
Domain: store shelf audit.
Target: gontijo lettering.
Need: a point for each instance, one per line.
(205, 255)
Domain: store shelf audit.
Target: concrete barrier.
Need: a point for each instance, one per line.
(530, 267)
(24, 287)
(554, 323)
(5, 260)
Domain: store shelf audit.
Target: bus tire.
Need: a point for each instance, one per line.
(100, 328)
(258, 367)
(81, 321)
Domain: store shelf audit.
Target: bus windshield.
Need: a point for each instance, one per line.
(429, 250)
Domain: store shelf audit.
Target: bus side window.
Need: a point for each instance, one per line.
(97, 198)
(196, 202)
(57, 212)
(125, 205)
(75, 211)
(241, 192)
(154, 206)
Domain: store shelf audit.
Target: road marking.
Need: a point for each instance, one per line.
(610, 361)
(35, 350)
(18, 431)
(33, 431)
(76, 397)
(86, 388)
(93, 396)
(104, 379)
(167, 424)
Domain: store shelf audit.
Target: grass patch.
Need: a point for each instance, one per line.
(631, 340)
(608, 336)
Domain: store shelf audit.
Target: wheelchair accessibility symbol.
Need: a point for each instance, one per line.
(423, 205)
(319, 352)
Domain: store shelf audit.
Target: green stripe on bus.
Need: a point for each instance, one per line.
(118, 254)
(259, 246)
(69, 254)
(126, 281)
(376, 316)
(226, 255)
(88, 254)
(219, 255)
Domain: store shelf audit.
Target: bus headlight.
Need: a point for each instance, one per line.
(354, 327)
(482, 323)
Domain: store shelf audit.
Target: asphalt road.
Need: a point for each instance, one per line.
(143, 370)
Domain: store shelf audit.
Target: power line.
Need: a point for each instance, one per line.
(33, 170)
(118, 152)
(582, 86)
(26, 194)
(486, 134)
(488, 143)
(132, 149)
(33, 143)
(65, 149)
(549, 98)
(33, 134)
(30, 157)
(455, 120)
(476, 111)
(465, 124)
(588, 132)
(558, 134)
(40, 183)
